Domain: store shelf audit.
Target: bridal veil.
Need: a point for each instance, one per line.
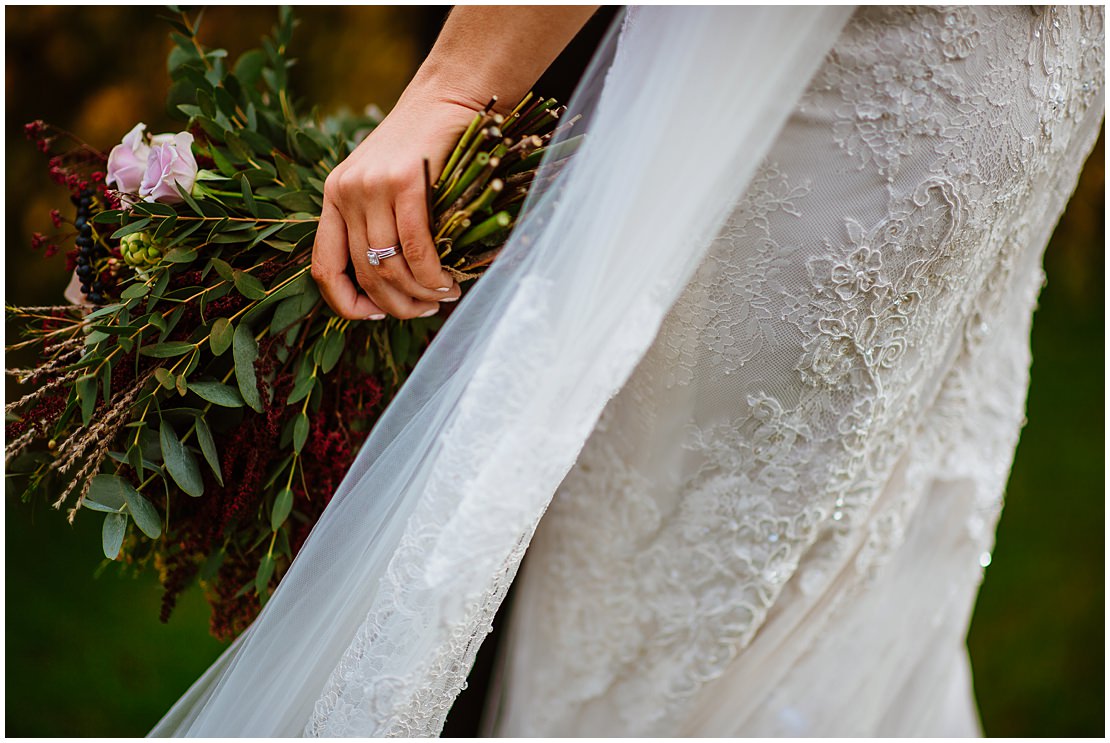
(374, 628)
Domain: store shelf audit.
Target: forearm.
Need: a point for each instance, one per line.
(496, 50)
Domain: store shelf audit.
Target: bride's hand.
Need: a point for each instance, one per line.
(376, 199)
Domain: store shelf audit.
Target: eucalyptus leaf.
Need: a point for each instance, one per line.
(153, 207)
(208, 447)
(171, 323)
(248, 68)
(134, 291)
(190, 110)
(106, 380)
(220, 337)
(217, 393)
(249, 286)
(106, 493)
(164, 377)
(188, 197)
(224, 101)
(180, 461)
(110, 309)
(238, 148)
(300, 431)
(94, 506)
(131, 228)
(256, 141)
(288, 171)
(307, 146)
(115, 527)
(213, 127)
(86, 393)
(107, 217)
(266, 210)
(135, 459)
(283, 543)
(298, 231)
(248, 196)
(207, 104)
(331, 351)
(222, 268)
(160, 286)
(245, 351)
(117, 329)
(151, 445)
(167, 350)
(225, 166)
(292, 310)
(265, 572)
(181, 255)
(264, 232)
(301, 390)
(299, 285)
(300, 201)
(165, 227)
(283, 504)
(143, 512)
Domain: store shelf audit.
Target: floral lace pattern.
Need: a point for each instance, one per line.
(382, 689)
(866, 308)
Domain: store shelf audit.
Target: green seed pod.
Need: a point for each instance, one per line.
(138, 250)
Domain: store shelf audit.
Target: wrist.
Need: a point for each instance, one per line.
(436, 84)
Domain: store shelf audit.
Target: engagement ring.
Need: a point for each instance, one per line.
(377, 255)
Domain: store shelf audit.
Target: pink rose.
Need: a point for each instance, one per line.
(169, 162)
(127, 161)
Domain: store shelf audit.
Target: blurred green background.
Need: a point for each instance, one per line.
(87, 656)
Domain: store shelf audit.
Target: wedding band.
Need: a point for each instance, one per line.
(377, 255)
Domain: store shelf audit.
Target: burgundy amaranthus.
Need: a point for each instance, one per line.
(251, 449)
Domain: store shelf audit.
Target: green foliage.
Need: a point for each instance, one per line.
(154, 397)
(180, 462)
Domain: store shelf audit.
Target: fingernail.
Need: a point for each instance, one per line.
(444, 289)
(429, 313)
(375, 317)
(449, 299)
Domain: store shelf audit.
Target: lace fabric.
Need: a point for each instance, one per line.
(778, 518)
(837, 392)
(551, 357)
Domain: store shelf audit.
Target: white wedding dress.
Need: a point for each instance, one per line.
(778, 525)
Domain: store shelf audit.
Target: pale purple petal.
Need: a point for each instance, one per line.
(127, 161)
(170, 162)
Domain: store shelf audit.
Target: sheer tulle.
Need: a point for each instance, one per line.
(373, 629)
(778, 526)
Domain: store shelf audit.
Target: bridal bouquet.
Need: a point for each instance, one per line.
(205, 400)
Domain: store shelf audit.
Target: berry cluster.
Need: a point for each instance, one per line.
(87, 249)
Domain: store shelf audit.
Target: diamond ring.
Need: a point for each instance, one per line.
(377, 255)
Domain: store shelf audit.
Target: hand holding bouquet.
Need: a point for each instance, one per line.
(209, 402)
